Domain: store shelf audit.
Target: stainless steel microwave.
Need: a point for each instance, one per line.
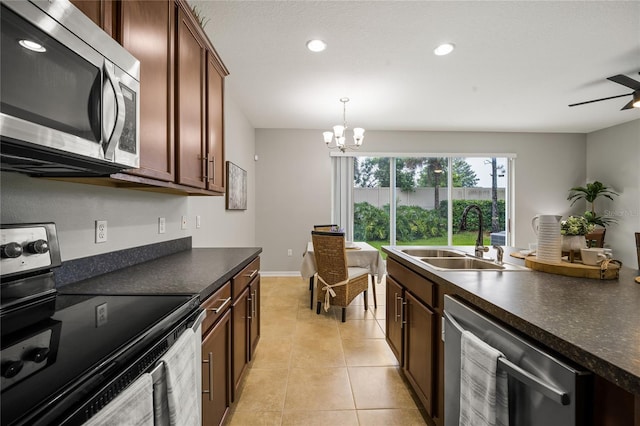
(70, 94)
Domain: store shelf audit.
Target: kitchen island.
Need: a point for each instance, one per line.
(594, 324)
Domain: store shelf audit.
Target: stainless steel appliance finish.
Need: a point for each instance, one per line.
(70, 93)
(28, 254)
(543, 390)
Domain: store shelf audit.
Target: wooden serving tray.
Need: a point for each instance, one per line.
(579, 270)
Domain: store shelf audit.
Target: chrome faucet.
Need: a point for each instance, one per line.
(499, 255)
(480, 248)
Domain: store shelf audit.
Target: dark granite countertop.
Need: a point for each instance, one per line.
(198, 271)
(594, 323)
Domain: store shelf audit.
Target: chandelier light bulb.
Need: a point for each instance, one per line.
(340, 130)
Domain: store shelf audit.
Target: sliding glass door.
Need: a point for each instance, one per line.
(406, 200)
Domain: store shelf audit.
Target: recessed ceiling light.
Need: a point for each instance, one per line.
(444, 49)
(32, 45)
(316, 45)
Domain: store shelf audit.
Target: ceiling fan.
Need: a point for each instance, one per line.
(625, 81)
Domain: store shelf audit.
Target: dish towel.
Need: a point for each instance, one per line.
(133, 407)
(484, 394)
(181, 384)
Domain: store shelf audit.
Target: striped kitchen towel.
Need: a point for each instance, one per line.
(483, 389)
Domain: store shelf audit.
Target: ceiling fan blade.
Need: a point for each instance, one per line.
(628, 106)
(601, 99)
(625, 81)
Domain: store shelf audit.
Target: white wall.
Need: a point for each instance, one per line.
(294, 184)
(613, 158)
(132, 215)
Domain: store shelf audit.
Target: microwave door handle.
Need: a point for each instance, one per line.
(113, 135)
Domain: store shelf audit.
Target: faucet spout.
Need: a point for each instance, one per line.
(480, 248)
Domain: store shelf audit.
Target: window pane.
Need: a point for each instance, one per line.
(483, 182)
(371, 200)
(421, 198)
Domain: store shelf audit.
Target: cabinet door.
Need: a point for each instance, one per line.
(418, 349)
(145, 24)
(254, 318)
(215, 129)
(394, 317)
(190, 54)
(216, 372)
(240, 337)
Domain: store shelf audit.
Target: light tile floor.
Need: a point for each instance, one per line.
(315, 370)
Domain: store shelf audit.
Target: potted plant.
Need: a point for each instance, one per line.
(573, 231)
(590, 193)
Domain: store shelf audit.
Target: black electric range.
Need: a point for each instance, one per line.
(66, 357)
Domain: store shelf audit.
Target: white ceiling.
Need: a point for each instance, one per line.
(517, 65)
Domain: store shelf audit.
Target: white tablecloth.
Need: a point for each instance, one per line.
(365, 256)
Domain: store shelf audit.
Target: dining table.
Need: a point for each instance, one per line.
(359, 254)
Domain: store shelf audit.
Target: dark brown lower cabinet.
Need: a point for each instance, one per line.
(418, 349)
(394, 318)
(410, 331)
(239, 324)
(254, 318)
(216, 368)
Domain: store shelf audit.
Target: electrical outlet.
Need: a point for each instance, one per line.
(162, 225)
(183, 223)
(102, 316)
(289, 252)
(198, 222)
(101, 231)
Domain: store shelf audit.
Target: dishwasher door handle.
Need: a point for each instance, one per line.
(531, 380)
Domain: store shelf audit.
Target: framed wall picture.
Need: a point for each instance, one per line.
(236, 187)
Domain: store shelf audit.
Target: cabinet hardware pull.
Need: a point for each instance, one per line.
(250, 307)
(210, 362)
(213, 169)
(204, 167)
(253, 303)
(395, 308)
(219, 308)
(403, 319)
(255, 271)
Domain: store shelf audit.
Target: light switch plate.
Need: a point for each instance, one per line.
(162, 225)
(183, 223)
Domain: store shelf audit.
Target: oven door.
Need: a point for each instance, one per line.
(61, 94)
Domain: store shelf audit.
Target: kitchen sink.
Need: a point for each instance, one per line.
(469, 264)
(420, 252)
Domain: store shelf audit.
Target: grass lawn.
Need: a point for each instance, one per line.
(459, 239)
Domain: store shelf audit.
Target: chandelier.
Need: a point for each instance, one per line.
(339, 133)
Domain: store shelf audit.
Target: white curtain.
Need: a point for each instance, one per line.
(342, 194)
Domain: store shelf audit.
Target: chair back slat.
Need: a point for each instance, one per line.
(330, 255)
(324, 227)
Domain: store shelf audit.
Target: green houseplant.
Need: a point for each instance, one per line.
(590, 193)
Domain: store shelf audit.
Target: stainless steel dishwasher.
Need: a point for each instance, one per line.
(543, 390)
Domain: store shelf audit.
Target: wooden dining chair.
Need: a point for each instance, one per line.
(596, 238)
(336, 283)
